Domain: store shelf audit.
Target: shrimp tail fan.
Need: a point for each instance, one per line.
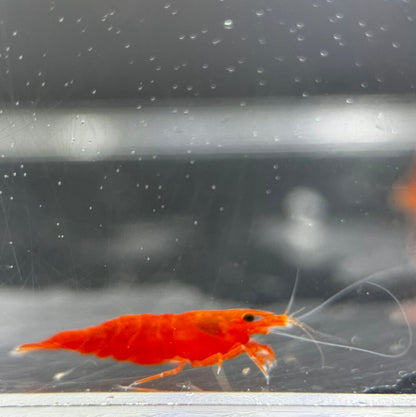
(70, 339)
(22, 349)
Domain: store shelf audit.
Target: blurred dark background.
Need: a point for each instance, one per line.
(235, 227)
(102, 183)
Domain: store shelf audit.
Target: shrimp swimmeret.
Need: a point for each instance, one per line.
(197, 338)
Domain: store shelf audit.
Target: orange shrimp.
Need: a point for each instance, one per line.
(404, 193)
(198, 338)
(203, 337)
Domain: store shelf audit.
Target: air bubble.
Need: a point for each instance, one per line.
(260, 12)
(324, 53)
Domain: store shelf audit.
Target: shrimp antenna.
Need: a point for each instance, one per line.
(309, 331)
(377, 275)
(292, 296)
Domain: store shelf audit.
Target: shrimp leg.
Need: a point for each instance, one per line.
(262, 355)
(157, 376)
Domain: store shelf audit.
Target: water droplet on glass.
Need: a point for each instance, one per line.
(379, 78)
(228, 24)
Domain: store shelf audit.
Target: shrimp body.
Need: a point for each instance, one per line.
(198, 338)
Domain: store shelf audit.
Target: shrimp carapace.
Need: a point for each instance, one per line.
(198, 338)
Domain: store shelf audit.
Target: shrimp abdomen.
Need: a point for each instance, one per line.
(134, 338)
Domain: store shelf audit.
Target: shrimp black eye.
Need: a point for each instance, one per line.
(248, 317)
